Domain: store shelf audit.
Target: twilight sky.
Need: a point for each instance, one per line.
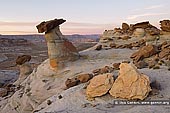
(83, 16)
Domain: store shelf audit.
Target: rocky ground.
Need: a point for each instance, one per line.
(12, 46)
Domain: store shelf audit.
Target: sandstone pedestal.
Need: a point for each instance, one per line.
(60, 50)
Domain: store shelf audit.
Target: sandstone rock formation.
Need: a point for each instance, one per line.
(60, 49)
(25, 68)
(125, 27)
(152, 55)
(144, 52)
(82, 78)
(165, 25)
(7, 90)
(130, 84)
(139, 32)
(71, 82)
(99, 47)
(49, 25)
(23, 59)
(99, 85)
(3, 92)
(134, 32)
(141, 25)
(106, 69)
(25, 71)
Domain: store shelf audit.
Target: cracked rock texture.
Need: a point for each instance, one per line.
(130, 84)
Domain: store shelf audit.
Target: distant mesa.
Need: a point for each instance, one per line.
(46, 26)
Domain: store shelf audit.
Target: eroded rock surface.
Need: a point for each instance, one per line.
(130, 84)
(165, 25)
(99, 85)
(60, 50)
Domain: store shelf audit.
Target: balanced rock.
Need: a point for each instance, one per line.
(130, 84)
(165, 25)
(99, 85)
(60, 50)
(49, 25)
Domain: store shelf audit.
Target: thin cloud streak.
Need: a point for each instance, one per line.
(149, 7)
(67, 28)
(132, 17)
(154, 7)
(3, 23)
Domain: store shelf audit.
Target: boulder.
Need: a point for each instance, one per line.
(164, 53)
(152, 63)
(116, 66)
(152, 31)
(125, 26)
(25, 71)
(165, 25)
(141, 64)
(99, 47)
(23, 59)
(71, 82)
(139, 32)
(112, 45)
(3, 92)
(130, 84)
(143, 25)
(139, 43)
(165, 45)
(99, 85)
(82, 78)
(144, 52)
(125, 37)
(106, 69)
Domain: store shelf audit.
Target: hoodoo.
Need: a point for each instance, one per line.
(60, 49)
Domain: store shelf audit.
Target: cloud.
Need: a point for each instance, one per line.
(154, 7)
(86, 25)
(9, 32)
(132, 17)
(3, 23)
(67, 28)
(149, 7)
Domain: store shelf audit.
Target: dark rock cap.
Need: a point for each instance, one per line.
(46, 26)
